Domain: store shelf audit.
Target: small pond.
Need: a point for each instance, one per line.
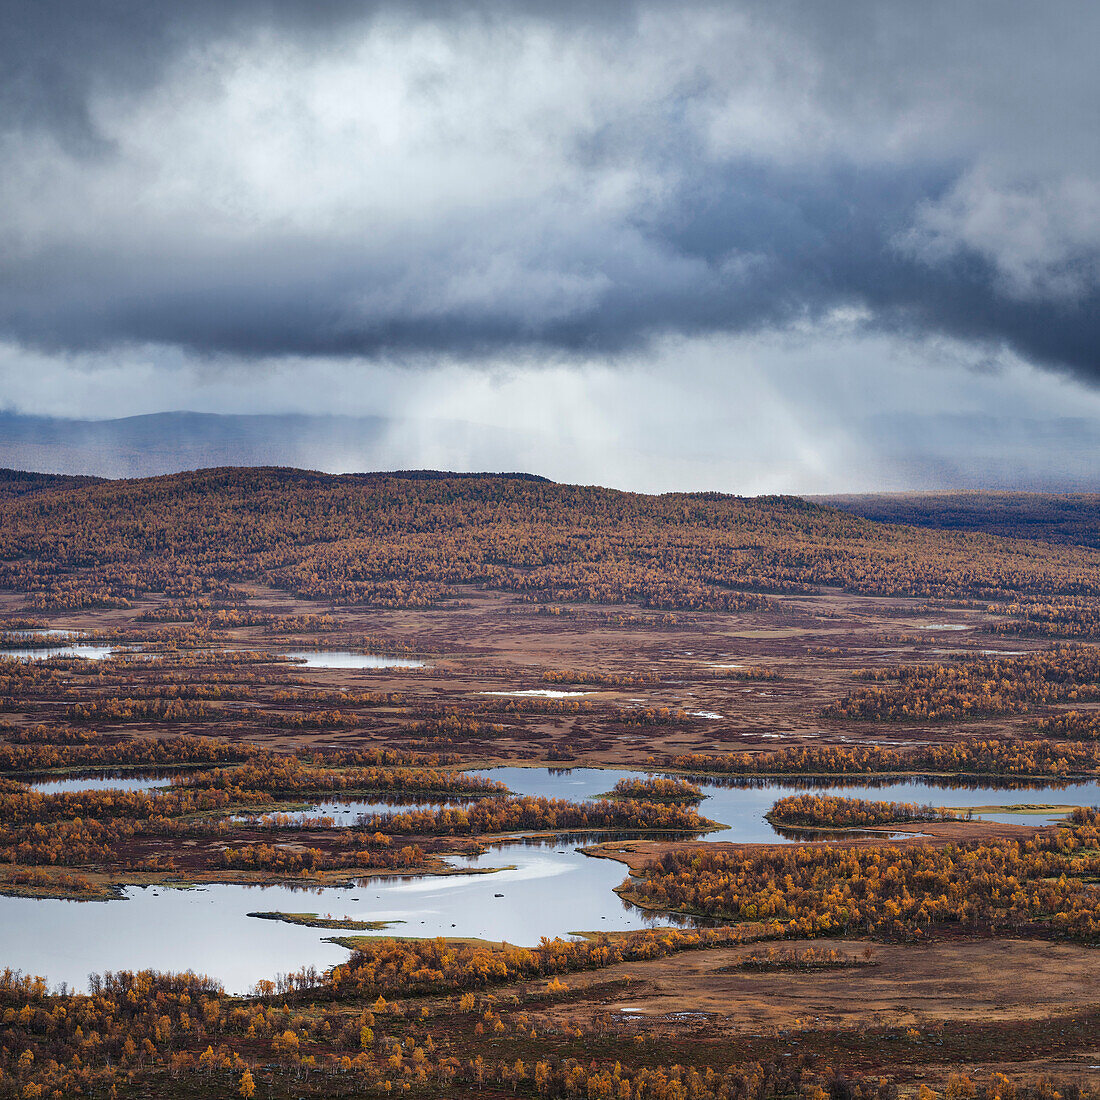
(350, 811)
(87, 650)
(538, 693)
(121, 781)
(342, 658)
(45, 632)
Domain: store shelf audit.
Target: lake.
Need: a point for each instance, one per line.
(547, 888)
(115, 781)
(86, 650)
(341, 658)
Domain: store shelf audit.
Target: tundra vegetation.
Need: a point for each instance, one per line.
(746, 641)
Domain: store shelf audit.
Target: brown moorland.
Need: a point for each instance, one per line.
(557, 625)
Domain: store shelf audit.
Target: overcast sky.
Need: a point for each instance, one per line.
(746, 246)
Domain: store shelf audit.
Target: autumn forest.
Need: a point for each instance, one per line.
(829, 782)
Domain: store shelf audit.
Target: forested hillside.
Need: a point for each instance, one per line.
(408, 540)
(17, 483)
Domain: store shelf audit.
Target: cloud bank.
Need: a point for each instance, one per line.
(291, 178)
(752, 244)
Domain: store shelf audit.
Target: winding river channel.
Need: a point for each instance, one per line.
(540, 888)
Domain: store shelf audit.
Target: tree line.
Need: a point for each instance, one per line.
(401, 542)
(1040, 885)
(976, 686)
(833, 812)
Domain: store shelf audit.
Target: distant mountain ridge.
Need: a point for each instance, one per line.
(925, 454)
(161, 443)
(164, 443)
(1067, 518)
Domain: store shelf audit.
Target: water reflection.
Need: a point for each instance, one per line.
(539, 693)
(86, 650)
(541, 887)
(206, 930)
(351, 812)
(740, 805)
(100, 781)
(34, 635)
(538, 892)
(876, 781)
(803, 835)
(339, 658)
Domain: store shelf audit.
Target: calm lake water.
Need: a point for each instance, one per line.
(205, 930)
(741, 807)
(539, 693)
(39, 653)
(119, 782)
(546, 888)
(347, 812)
(340, 658)
(44, 633)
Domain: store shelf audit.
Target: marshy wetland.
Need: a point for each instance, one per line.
(543, 814)
(525, 889)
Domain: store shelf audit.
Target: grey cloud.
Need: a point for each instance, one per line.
(56, 53)
(833, 159)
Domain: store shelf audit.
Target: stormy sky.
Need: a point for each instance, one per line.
(745, 246)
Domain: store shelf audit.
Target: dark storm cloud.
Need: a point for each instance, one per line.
(235, 178)
(55, 53)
